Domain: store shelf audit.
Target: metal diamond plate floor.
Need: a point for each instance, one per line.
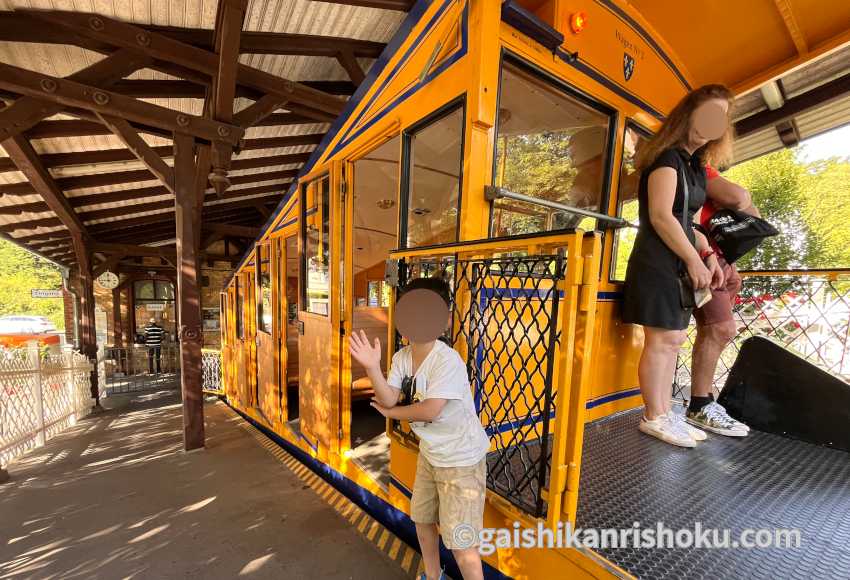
(761, 481)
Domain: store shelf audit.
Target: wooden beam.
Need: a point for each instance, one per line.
(26, 112)
(17, 27)
(821, 95)
(276, 142)
(234, 231)
(51, 160)
(349, 63)
(786, 10)
(88, 335)
(257, 111)
(399, 5)
(163, 48)
(25, 157)
(107, 265)
(73, 94)
(140, 149)
(132, 250)
(188, 294)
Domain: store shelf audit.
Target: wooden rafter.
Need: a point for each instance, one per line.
(19, 27)
(257, 111)
(348, 61)
(25, 157)
(234, 231)
(165, 49)
(74, 94)
(140, 149)
(26, 112)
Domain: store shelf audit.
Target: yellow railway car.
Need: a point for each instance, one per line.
(491, 143)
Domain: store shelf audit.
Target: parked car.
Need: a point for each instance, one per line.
(16, 324)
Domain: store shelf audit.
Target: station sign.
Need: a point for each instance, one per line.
(46, 293)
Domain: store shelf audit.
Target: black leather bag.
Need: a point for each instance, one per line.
(737, 233)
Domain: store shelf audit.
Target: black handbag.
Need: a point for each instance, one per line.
(690, 297)
(737, 233)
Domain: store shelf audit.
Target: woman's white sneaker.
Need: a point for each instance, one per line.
(668, 429)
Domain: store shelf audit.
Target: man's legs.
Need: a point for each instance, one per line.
(710, 342)
(158, 359)
(150, 360)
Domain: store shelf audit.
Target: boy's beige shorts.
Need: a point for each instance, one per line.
(454, 498)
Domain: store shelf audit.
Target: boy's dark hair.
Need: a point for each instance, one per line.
(438, 285)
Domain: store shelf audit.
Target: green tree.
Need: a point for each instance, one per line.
(826, 187)
(20, 272)
(780, 186)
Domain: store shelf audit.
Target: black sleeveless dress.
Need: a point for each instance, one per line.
(651, 293)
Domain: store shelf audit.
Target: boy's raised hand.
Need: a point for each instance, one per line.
(367, 355)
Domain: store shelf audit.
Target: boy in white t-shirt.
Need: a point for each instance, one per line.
(451, 472)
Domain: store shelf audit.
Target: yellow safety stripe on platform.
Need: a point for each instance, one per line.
(376, 534)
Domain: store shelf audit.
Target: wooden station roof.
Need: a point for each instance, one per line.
(153, 67)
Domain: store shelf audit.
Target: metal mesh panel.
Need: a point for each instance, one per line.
(40, 395)
(807, 314)
(505, 325)
(211, 361)
(133, 369)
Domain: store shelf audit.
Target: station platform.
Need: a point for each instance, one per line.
(116, 497)
(761, 481)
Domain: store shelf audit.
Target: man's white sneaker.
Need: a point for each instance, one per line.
(713, 417)
(668, 429)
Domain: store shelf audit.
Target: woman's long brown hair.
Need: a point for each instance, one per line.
(674, 130)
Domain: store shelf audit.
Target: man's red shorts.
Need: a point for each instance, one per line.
(719, 308)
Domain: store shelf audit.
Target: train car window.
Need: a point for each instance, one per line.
(433, 157)
(264, 287)
(222, 316)
(627, 201)
(549, 145)
(315, 231)
(240, 326)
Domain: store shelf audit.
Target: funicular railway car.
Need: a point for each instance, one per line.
(491, 144)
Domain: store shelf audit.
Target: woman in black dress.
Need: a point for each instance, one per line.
(697, 132)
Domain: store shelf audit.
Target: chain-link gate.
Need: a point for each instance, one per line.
(505, 318)
(805, 311)
(139, 368)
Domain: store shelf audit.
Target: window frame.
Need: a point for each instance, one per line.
(302, 234)
(407, 135)
(646, 133)
(571, 92)
(259, 285)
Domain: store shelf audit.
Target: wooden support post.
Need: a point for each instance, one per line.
(188, 295)
(117, 331)
(88, 333)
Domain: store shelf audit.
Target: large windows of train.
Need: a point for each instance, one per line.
(267, 392)
(315, 232)
(432, 178)
(627, 202)
(240, 306)
(552, 145)
(375, 221)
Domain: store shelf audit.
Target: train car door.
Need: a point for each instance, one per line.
(267, 393)
(285, 273)
(372, 210)
(318, 317)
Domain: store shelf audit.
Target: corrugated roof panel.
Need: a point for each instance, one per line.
(756, 144)
(834, 115)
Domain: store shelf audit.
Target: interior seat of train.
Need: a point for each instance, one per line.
(492, 144)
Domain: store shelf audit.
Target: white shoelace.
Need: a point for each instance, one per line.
(716, 412)
(677, 424)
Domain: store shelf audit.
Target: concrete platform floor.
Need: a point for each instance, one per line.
(116, 497)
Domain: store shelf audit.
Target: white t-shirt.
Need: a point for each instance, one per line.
(455, 438)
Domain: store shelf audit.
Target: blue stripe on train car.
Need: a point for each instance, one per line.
(388, 516)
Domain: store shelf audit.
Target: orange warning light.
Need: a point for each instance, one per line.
(578, 21)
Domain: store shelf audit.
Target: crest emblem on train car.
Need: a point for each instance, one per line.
(628, 65)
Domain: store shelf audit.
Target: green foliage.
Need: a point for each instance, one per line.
(22, 271)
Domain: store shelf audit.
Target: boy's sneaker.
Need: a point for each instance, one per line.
(669, 428)
(442, 576)
(713, 417)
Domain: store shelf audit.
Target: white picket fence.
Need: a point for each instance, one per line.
(41, 394)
